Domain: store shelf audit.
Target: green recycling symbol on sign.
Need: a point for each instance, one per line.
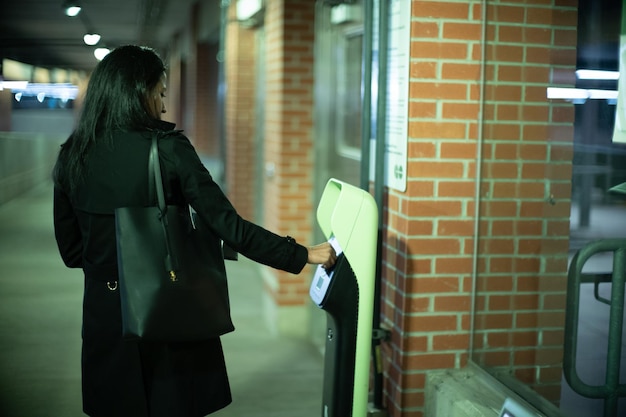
(398, 172)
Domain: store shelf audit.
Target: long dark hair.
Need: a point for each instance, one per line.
(115, 100)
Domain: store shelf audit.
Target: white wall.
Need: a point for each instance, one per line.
(28, 152)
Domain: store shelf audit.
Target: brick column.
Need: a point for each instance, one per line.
(6, 106)
(206, 126)
(289, 35)
(240, 115)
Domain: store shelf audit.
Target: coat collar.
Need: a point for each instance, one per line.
(164, 125)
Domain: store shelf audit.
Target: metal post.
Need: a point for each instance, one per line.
(366, 111)
(616, 317)
(379, 185)
(611, 390)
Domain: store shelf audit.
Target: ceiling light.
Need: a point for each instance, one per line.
(72, 11)
(72, 8)
(100, 53)
(91, 38)
(585, 74)
(43, 90)
(246, 9)
(13, 85)
(579, 94)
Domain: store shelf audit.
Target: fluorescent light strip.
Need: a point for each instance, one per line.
(63, 91)
(586, 74)
(580, 94)
(13, 85)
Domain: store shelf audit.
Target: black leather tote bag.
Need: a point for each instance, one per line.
(172, 277)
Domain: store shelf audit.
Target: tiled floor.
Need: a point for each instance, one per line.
(40, 309)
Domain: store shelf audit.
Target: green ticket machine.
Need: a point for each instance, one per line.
(348, 217)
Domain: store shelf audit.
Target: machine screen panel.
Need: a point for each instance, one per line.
(321, 280)
(320, 283)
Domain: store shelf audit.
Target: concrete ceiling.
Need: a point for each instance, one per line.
(38, 32)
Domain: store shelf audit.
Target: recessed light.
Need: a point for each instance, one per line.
(100, 53)
(72, 8)
(91, 38)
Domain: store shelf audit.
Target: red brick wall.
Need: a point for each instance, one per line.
(206, 125)
(174, 101)
(6, 103)
(192, 92)
(288, 129)
(430, 238)
(240, 115)
(192, 89)
(189, 68)
(289, 26)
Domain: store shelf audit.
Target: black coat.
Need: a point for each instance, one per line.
(139, 379)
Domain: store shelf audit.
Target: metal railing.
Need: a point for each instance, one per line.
(612, 390)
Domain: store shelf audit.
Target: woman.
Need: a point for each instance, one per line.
(103, 165)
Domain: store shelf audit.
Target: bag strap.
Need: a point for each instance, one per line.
(151, 157)
(156, 180)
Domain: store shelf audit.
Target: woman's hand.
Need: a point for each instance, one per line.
(323, 254)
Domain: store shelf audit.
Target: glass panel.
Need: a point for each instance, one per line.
(548, 161)
(349, 93)
(338, 92)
